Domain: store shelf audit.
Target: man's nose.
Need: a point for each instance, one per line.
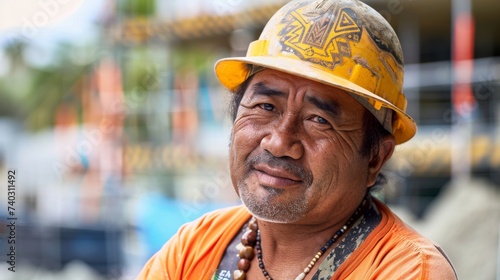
(284, 139)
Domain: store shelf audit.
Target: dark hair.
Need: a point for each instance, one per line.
(374, 131)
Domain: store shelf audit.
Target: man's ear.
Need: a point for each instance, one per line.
(379, 157)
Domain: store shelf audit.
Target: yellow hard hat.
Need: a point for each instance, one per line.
(342, 43)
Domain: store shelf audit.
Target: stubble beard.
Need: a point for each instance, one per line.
(268, 209)
(267, 203)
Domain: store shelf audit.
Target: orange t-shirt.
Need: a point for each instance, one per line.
(393, 250)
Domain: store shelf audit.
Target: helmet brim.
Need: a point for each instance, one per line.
(232, 72)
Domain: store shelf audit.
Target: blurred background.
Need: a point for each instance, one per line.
(112, 118)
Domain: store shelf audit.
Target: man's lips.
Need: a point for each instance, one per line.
(275, 177)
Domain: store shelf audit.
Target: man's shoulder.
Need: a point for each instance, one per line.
(400, 242)
(228, 216)
(398, 233)
(211, 229)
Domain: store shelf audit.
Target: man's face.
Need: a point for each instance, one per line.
(295, 150)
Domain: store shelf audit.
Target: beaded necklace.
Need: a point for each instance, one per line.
(251, 239)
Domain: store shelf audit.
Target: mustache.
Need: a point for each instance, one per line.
(289, 164)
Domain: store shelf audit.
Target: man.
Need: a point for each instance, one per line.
(317, 110)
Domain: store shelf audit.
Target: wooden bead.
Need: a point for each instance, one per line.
(239, 275)
(249, 238)
(243, 264)
(246, 253)
(253, 225)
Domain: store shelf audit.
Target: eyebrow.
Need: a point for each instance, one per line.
(331, 107)
(261, 89)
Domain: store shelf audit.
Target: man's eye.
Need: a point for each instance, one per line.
(320, 120)
(267, 107)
